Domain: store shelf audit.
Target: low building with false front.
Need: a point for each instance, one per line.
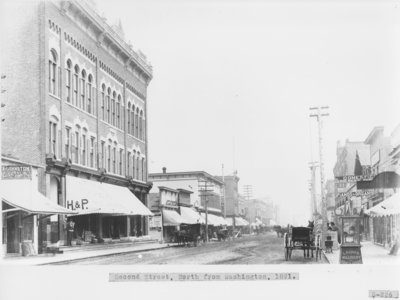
(76, 105)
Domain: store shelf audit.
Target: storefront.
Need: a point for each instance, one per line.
(23, 206)
(385, 221)
(104, 211)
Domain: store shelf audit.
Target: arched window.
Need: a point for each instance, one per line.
(120, 161)
(53, 72)
(141, 125)
(133, 120)
(119, 112)
(134, 165)
(129, 118)
(137, 165)
(113, 108)
(109, 156)
(89, 108)
(84, 147)
(114, 159)
(75, 88)
(128, 164)
(108, 104)
(76, 145)
(103, 100)
(137, 122)
(68, 80)
(53, 136)
(83, 91)
(143, 170)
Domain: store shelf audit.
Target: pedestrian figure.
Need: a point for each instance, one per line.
(70, 231)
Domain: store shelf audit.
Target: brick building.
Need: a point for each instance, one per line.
(76, 106)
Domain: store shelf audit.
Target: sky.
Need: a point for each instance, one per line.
(234, 80)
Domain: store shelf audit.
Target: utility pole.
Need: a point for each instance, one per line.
(248, 191)
(1, 169)
(204, 188)
(223, 191)
(313, 166)
(319, 112)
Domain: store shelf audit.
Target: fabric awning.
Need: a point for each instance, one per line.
(190, 216)
(241, 222)
(229, 221)
(171, 218)
(214, 220)
(87, 197)
(21, 193)
(389, 206)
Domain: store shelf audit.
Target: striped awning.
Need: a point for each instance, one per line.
(389, 206)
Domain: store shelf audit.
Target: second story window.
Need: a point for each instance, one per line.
(133, 120)
(119, 112)
(109, 159)
(68, 142)
(137, 123)
(121, 160)
(103, 154)
(53, 72)
(114, 160)
(75, 84)
(128, 164)
(113, 109)
(108, 104)
(68, 80)
(83, 147)
(92, 152)
(89, 108)
(103, 101)
(76, 148)
(83, 91)
(128, 112)
(53, 138)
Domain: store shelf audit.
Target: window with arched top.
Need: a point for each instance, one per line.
(82, 88)
(128, 164)
(119, 112)
(137, 122)
(143, 170)
(108, 105)
(75, 86)
(53, 136)
(137, 165)
(109, 156)
(53, 60)
(76, 145)
(134, 165)
(68, 80)
(103, 102)
(128, 112)
(89, 107)
(114, 94)
(120, 161)
(141, 125)
(114, 159)
(84, 147)
(133, 120)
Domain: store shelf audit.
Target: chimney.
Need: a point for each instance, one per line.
(164, 170)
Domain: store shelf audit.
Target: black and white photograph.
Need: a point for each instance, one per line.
(226, 141)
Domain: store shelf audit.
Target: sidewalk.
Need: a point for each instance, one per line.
(371, 255)
(79, 253)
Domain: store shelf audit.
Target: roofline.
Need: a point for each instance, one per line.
(203, 173)
(373, 132)
(167, 189)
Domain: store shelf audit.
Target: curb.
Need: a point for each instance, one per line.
(102, 255)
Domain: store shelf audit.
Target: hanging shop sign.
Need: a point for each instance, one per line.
(356, 193)
(16, 172)
(354, 178)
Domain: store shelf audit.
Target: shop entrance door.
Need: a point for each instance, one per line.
(12, 234)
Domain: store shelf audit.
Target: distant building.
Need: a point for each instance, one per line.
(231, 194)
(193, 181)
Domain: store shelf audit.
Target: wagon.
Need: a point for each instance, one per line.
(302, 238)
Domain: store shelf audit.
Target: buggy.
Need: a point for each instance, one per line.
(302, 238)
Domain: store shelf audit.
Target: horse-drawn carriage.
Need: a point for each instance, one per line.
(302, 238)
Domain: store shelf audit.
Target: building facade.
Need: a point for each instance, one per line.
(76, 105)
